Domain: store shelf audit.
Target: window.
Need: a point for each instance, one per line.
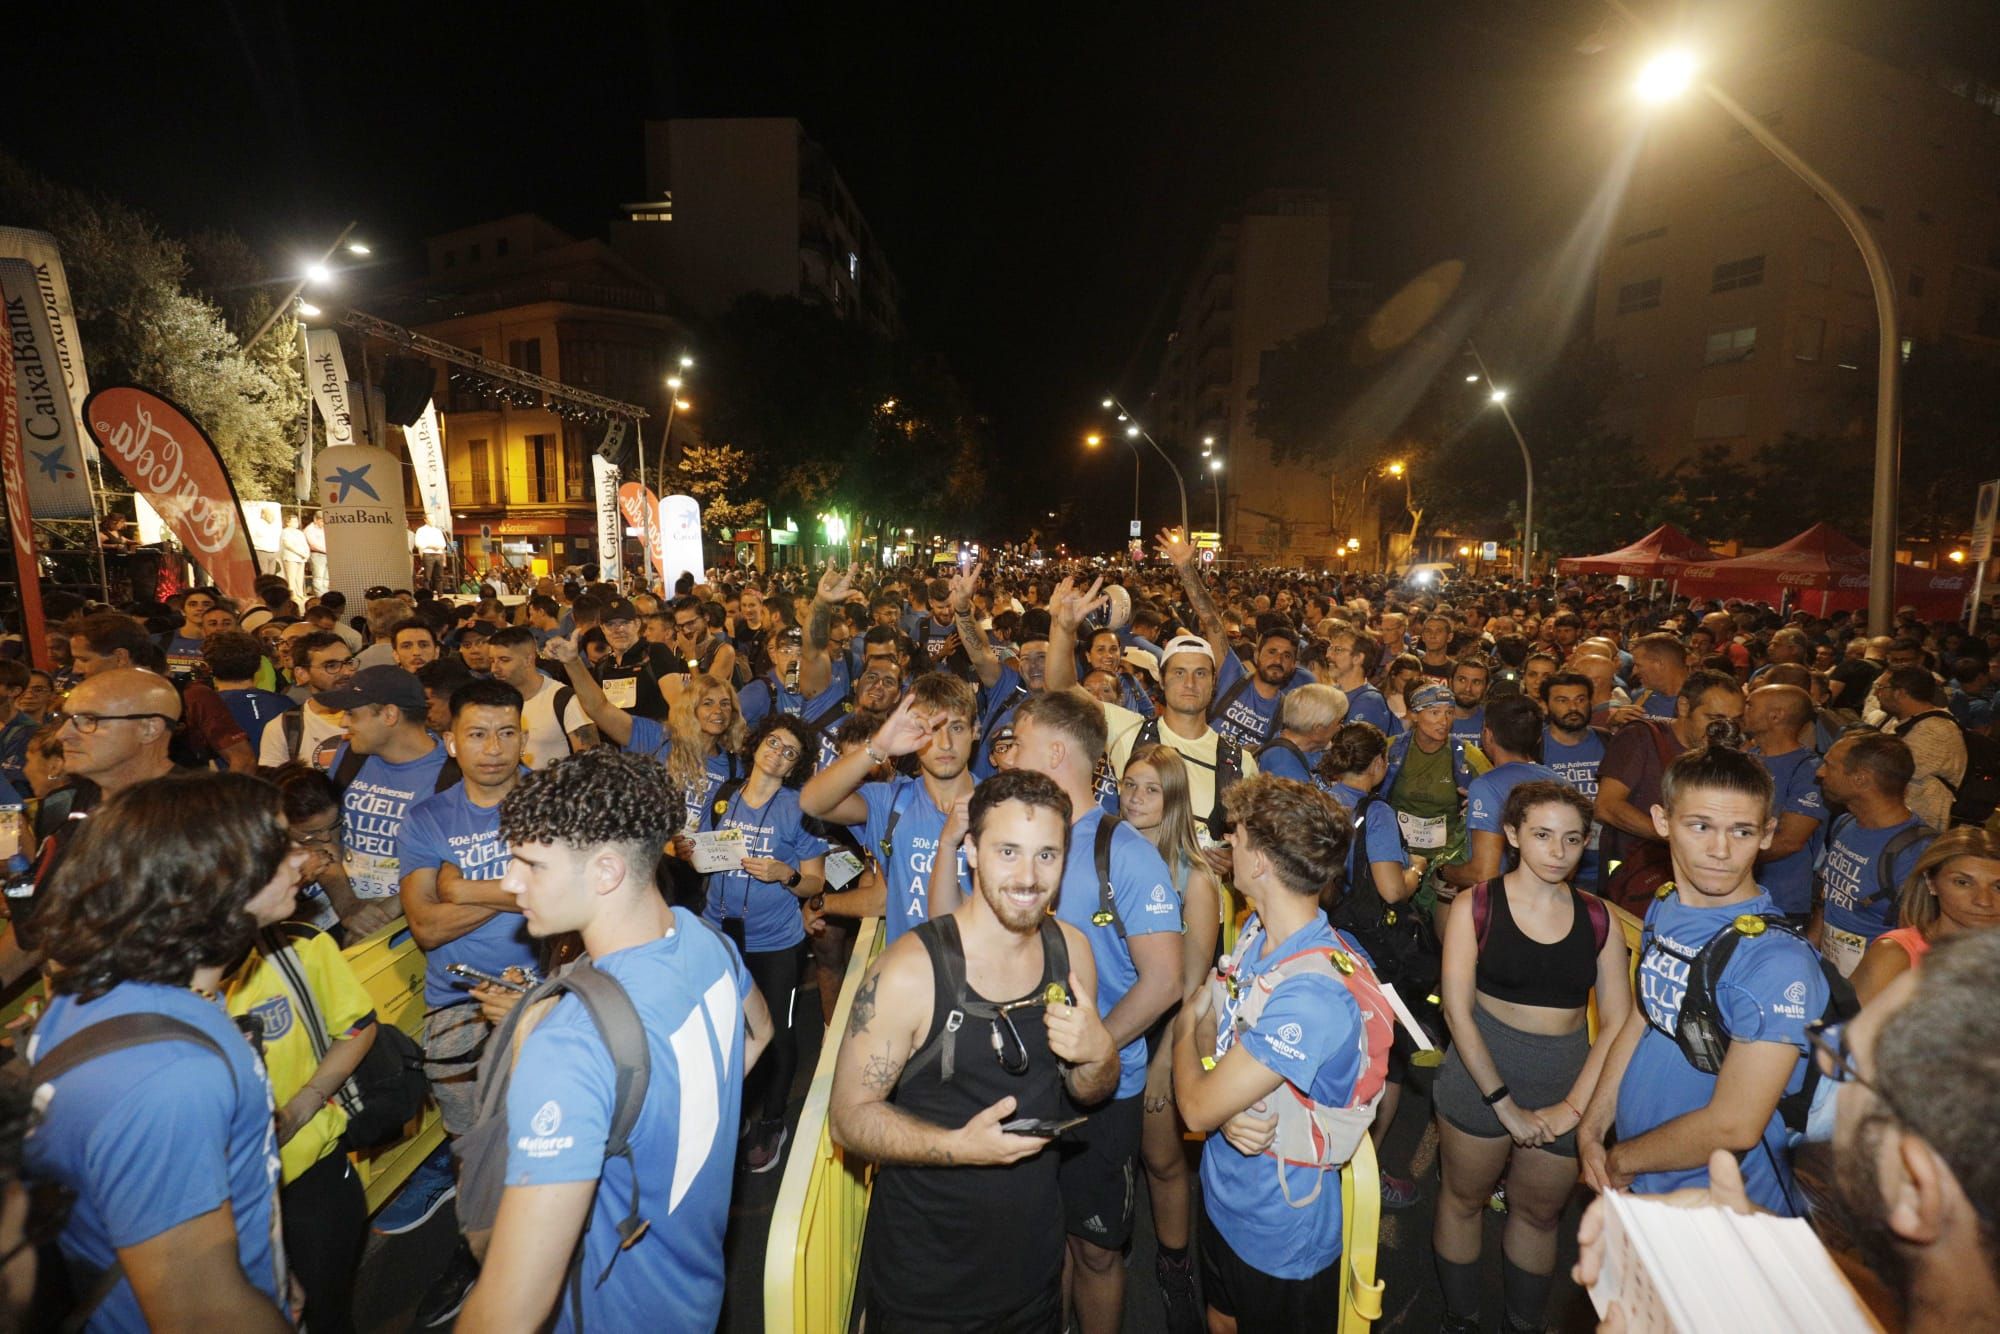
(1635, 238)
(574, 451)
(1730, 345)
(472, 253)
(853, 265)
(1916, 282)
(1818, 264)
(544, 469)
(1643, 295)
(525, 354)
(1856, 347)
(1722, 418)
(1810, 339)
(482, 484)
(500, 248)
(1737, 273)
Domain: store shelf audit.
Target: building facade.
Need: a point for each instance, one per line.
(1736, 302)
(519, 290)
(1274, 271)
(738, 205)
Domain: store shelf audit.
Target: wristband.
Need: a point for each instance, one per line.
(1496, 1095)
(874, 756)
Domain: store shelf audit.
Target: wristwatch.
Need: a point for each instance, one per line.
(797, 876)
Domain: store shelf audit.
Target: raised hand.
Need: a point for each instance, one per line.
(835, 584)
(903, 732)
(559, 649)
(1175, 549)
(1067, 607)
(964, 585)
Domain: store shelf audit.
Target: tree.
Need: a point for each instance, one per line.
(715, 473)
(138, 322)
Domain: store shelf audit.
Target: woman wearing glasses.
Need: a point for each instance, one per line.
(1954, 889)
(778, 865)
(1153, 799)
(326, 900)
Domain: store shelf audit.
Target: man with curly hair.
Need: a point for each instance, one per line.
(586, 835)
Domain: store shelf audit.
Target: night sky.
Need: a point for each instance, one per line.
(1041, 177)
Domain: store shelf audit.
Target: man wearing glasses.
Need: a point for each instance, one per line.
(704, 648)
(632, 671)
(321, 661)
(971, 1024)
(115, 734)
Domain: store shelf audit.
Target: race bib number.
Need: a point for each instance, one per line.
(622, 691)
(1422, 833)
(1842, 949)
(718, 850)
(842, 868)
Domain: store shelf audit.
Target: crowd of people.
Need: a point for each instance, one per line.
(1159, 855)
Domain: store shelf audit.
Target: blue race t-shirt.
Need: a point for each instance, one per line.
(906, 863)
(1311, 1032)
(1486, 795)
(1381, 838)
(1289, 762)
(1250, 720)
(688, 988)
(1576, 764)
(1851, 875)
(998, 703)
(650, 738)
(1770, 991)
(759, 697)
(1146, 902)
(184, 654)
(1789, 879)
(375, 805)
(153, 1136)
(1656, 704)
(1366, 705)
(1469, 730)
(253, 709)
(770, 912)
(452, 828)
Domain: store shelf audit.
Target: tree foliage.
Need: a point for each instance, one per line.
(719, 477)
(140, 321)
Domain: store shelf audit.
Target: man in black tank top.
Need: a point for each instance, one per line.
(968, 1024)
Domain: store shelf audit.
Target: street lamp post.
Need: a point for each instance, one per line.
(300, 286)
(650, 513)
(1499, 399)
(1215, 479)
(1134, 431)
(1672, 74)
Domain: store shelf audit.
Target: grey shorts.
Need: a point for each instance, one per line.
(1537, 1068)
(454, 1040)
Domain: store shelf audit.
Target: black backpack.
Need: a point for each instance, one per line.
(1698, 1030)
(482, 1150)
(1976, 795)
(1228, 770)
(1885, 861)
(351, 761)
(1398, 938)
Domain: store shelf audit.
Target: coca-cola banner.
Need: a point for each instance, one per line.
(367, 541)
(173, 465)
(20, 528)
(641, 508)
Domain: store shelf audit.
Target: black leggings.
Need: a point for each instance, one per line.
(776, 973)
(326, 1225)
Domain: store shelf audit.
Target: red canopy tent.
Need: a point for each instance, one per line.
(1660, 554)
(1825, 561)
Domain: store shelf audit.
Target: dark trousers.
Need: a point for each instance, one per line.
(776, 973)
(326, 1225)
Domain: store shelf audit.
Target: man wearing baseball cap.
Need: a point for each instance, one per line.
(631, 673)
(388, 763)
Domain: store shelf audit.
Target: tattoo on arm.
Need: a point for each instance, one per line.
(863, 1012)
(880, 1074)
(819, 625)
(1204, 604)
(972, 637)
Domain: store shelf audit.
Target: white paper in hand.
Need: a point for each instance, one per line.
(718, 850)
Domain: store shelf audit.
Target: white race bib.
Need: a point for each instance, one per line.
(842, 868)
(1422, 833)
(1842, 949)
(622, 691)
(718, 850)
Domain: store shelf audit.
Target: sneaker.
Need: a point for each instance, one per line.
(427, 1190)
(1398, 1192)
(442, 1300)
(1177, 1295)
(766, 1146)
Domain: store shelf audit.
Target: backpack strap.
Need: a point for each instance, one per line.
(119, 1033)
(1281, 742)
(947, 953)
(294, 723)
(1107, 904)
(349, 767)
(1885, 861)
(1600, 918)
(887, 847)
(449, 776)
(1220, 705)
(1482, 913)
(565, 694)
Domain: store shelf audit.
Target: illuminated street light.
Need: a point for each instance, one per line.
(1499, 395)
(1465, 551)
(317, 272)
(1395, 470)
(1215, 465)
(682, 405)
(1958, 557)
(319, 275)
(1108, 402)
(1132, 431)
(1666, 76)
(1093, 440)
(356, 248)
(673, 382)
(687, 362)
(1472, 379)
(308, 309)
(1354, 544)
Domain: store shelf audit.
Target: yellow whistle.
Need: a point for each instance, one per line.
(1055, 994)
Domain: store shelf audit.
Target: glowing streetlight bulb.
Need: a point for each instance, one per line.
(682, 405)
(1093, 440)
(1108, 403)
(673, 382)
(357, 248)
(1666, 76)
(1499, 396)
(1215, 465)
(308, 309)
(1208, 442)
(1472, 379)
(1132, 431)
(687, 363)
(319, 274)
(1354, 544)
(1395, 470)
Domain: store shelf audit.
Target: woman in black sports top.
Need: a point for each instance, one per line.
(1522, 954)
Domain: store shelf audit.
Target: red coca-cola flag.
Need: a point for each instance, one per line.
(641, 508)
(170, 461)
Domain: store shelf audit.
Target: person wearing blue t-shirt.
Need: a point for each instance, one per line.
(901, 821)
(1660, 663)
(169, 1146)
(1310, 716)
(399, 766)
(586, 834)
(1246, 702)
(233, 659)
(817, 702)
(756, 903)
(1347, 652)
(1511, 739)
(1105, 652)
(1270, 1243)
(452, 858)
(1469, 679)
(1774, 717)
(1574, 749)
(1135, 940)
(1871, 850)
(1715, 814)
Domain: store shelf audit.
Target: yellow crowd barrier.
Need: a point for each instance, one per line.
(1360, 1234)
(813, 1256)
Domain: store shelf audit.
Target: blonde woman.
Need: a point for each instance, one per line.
(1153, 798)
(1954, 888)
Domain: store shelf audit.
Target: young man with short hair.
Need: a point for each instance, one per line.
(1871, 849)
(385, 709)
(1470, 677)
(233, 659)
(511, 653)
(586, 836)
(321, 661)
(1774, 718)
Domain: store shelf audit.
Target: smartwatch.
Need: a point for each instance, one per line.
(793, 883)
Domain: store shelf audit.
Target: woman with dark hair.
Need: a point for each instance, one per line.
(1522, 954)
(168, 1144)
(756, 902)
(326, 900)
